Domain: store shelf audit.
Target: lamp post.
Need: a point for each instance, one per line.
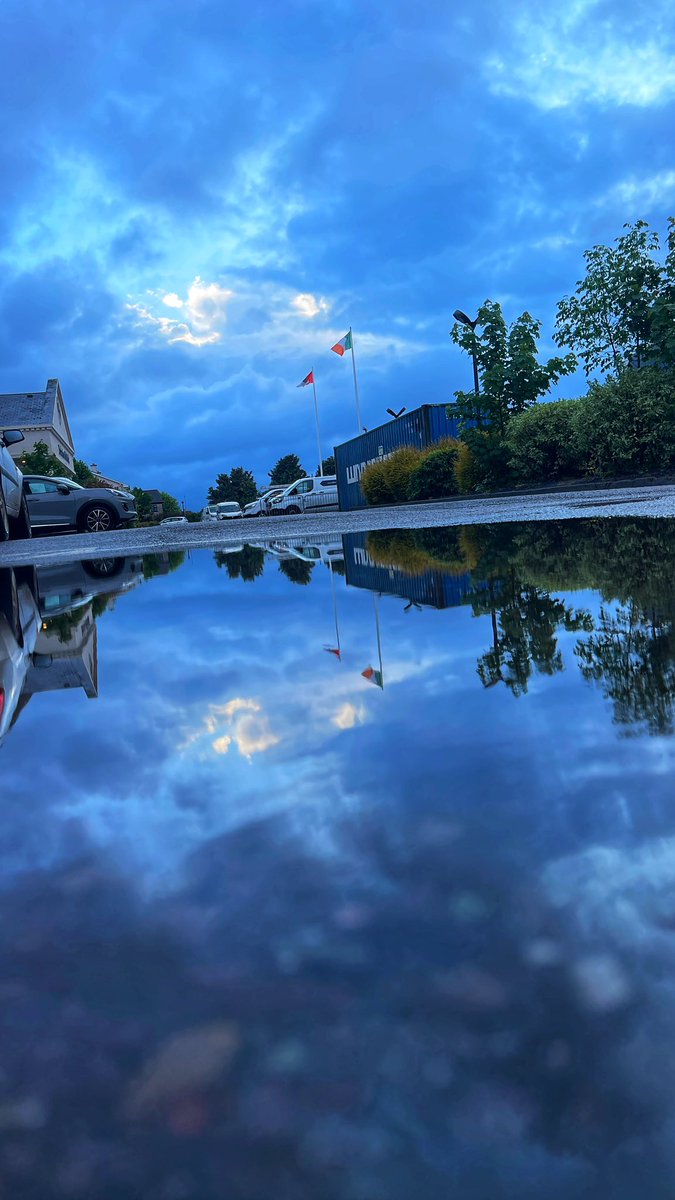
(464, 320)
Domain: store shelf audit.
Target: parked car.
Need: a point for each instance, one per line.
(62, 587)
(60, 504)
(73, 483)
(14, 513)
(306, 495)
(175, 521)
(19, 625)
(227, 509)
(260, 506)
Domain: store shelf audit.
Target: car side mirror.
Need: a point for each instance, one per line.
(12, 436)
(63, 489)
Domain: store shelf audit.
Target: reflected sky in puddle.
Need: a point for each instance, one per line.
(395, 920)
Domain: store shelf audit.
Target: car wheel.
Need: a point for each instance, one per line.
(97, 518)
(103, 568)
(4, 519)
(292, 510)
(9, 602)
(20, 526)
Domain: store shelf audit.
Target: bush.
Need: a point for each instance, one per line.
(627, 425)
(542, 443)
(386, 481)
(490, 459)
(466, 475)
(434, 475)
(375, 485)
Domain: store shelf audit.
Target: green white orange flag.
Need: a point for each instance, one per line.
(345, 343)
(373, 676)
(307, 380)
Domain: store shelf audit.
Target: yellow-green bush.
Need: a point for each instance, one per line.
(375, 484)
(466, 473)
(434, 475)
(386, 482)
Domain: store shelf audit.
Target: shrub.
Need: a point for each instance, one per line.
(490, 458)
(466, 475)
(398, 469)
(542, 443)
(434, 475)
(627, 425)
(375, 484)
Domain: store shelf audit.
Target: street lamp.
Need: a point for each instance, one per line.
(464, 320)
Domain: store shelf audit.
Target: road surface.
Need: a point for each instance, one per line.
(657, 501)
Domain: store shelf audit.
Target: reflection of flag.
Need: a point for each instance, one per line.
(337, 652)
(345, 343)
(373, 676)
(308, 379)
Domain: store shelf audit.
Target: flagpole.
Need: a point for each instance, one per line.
(318, 431)
(335, 611)
(356, 385)
(377, 631)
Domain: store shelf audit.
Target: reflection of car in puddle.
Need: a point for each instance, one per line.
(48, 636)
(317, 552)
(65, 586)
(19, 626)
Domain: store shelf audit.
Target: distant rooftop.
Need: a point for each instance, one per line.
(29, 408)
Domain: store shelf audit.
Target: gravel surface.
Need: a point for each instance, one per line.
(658, 501)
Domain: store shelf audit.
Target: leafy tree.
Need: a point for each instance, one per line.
(247, 564)
(608, 319)
(287, 470)
(170, 505)
(632, 657)
(328, 465)
(143, 504)
(510, 375)
(83, 473)
(298, 570)
(239, 485)
(663, 312)
(243, 485)
(40, 461)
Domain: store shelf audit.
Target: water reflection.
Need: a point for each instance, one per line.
(266, 929)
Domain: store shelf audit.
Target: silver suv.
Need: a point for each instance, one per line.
(14, 517)
(55, 503)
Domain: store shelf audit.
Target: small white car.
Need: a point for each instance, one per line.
(227, 509)
(260, 506)
(306, 495)
(175, 521)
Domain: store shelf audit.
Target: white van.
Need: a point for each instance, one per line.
(227, 509)
(306, 495)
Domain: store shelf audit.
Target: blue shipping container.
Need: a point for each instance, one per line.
(432, 588)
(420, 428)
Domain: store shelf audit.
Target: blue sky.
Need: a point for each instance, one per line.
(198, 200)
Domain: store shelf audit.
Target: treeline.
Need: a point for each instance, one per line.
(239, 484)
(620, 325)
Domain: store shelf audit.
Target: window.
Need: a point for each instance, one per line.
(39, 487)
(328, 483)
(305, 485)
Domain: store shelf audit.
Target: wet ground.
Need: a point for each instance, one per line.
(341, 868)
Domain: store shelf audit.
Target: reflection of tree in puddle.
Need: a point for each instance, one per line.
(247, 564)
(517, 568)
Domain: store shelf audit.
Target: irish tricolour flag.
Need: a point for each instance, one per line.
(345, 343)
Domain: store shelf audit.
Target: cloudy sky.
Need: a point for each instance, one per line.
(198, 200)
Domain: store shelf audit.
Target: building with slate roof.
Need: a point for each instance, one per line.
(41, 416)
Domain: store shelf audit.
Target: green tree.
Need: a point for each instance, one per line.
(40, 461)
(247, 564)
(221, 490)
(287, 470)
(608, 319)
(328, 465)
(510, 375)
(632, 657)
(143, 504)
(244, 486)
(298, 570)
(83, 473)
(663, 312)
(170, 505)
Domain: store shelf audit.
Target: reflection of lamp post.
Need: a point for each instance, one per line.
(464, 320)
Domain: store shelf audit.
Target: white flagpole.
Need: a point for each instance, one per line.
(335, 611)
(356, 386)
(376, 598)
(318, 431)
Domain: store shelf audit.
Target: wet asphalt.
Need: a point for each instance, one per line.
(657, 501)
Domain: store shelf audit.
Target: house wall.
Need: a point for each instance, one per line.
(57, 446)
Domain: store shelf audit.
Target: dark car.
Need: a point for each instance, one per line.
(55, 503)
